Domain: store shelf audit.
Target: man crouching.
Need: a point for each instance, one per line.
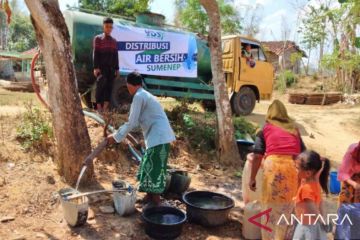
(147, 113)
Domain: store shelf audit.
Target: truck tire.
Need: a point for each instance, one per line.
(120, 97)
(243, 102)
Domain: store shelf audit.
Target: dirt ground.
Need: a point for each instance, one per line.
(29, 181)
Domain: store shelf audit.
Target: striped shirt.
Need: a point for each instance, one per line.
(105, 52)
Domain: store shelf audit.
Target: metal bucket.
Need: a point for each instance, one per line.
(180, 181)
(124, 202)
(75, 210)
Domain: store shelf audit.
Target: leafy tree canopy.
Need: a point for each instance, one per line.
(21, 33)
(125, 7)
(192, 16)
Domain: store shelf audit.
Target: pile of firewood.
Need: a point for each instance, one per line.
(315, 98)
(24, 86)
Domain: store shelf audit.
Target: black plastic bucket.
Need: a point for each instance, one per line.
(207, 208)
(163, 222)
(245, 147)
(180, 181)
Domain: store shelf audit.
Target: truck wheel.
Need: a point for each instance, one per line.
(208, 105)
(120, 97)
(243, 102)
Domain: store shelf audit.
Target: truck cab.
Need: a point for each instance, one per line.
(249, 76)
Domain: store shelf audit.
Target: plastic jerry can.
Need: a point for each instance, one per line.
(250, 230)
(248, 195)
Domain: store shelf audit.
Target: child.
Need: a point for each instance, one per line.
(313, 172)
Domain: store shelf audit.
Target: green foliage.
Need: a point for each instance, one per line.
(295, 57)
(313, 27)
(243, 128)
(192, 16)
(199, 129)
(21, 34)
(350, 62)
(35, 129)
(285, 80)
(126, 8)
(201, 136)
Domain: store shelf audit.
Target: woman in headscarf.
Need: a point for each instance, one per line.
(349, 197)
(278, 143)
(349, 175)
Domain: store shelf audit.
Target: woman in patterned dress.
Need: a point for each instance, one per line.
(279, 142)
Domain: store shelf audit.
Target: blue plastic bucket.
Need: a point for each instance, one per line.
(334, 183)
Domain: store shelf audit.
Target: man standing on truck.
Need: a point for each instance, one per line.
(106, 64)
(147, 113)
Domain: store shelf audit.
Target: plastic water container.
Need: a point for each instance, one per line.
(75, 210)
(124, 202)
(248, 195)
(250, 230)
(334, 183)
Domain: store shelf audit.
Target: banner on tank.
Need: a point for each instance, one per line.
(156, 52)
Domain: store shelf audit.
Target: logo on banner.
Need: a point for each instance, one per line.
(154, 34)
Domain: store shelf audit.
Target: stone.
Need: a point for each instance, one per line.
(50, 180)
(91, 221)
(18, 238)
(41, 235)
(91, 214)
(2, 182)
(11, 165)
(106, 209)
(7, 219)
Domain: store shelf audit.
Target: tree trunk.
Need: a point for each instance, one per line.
(321, 55)
(308, 63)
(226, 145)
(73, 141)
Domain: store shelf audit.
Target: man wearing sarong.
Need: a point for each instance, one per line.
(279, 142)
(147, 113)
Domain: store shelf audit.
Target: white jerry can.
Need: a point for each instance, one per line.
(124, 202)
(248, 195)
(250, 230)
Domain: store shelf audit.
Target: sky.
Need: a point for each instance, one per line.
(274, 15)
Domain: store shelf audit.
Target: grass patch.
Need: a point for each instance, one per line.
(16, 98)
(35, 129)
(286, 79)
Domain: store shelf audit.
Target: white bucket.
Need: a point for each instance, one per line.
(248, 195)
(75, 210)
(124, 202)
(250, 230)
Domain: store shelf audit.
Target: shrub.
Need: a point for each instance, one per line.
(285, 80)
(243, 128)
(200, 135)
(199, 129)
(35, 129)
